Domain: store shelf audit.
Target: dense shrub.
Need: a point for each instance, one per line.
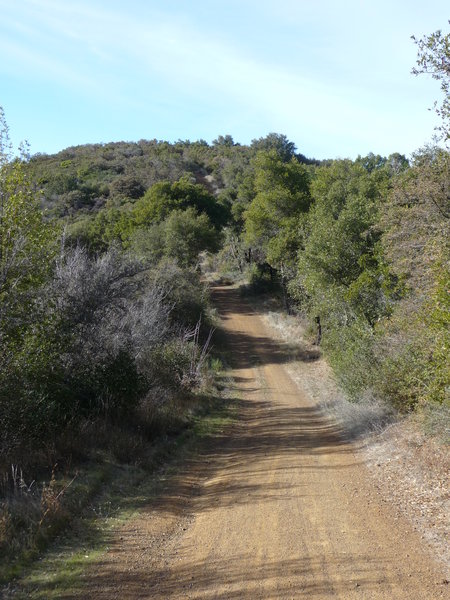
(181, 237)
(374, 267)
(101, 338)
(184, 292)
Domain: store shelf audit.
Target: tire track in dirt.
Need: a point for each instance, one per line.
(280, 507)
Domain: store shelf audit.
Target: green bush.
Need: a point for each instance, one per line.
(350, 350)
(184, 292)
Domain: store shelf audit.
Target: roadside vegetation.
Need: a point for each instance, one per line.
(105, 321)
(105, 350)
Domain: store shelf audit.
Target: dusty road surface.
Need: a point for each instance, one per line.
(279, 507)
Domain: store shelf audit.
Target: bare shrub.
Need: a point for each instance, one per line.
(28, 511)
(93, 321)
(184, 292)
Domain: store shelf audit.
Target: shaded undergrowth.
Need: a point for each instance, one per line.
(103, 494)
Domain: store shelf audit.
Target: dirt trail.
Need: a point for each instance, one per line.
(279, 508)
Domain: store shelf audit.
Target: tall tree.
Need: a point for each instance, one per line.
(278, 142)
(27, 241)
(434, 58)
(274, 219)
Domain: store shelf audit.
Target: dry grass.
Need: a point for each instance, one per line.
(31, 513)
(314, 375)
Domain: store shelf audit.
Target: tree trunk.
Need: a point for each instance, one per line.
(319, 331)
(287, 304)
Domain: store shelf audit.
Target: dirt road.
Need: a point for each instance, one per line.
(280, 507)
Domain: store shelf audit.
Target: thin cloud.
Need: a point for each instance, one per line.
(152, 62)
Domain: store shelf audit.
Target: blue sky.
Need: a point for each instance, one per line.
(332, 76)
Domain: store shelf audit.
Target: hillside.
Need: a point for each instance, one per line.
(86, 178)
(106, 322)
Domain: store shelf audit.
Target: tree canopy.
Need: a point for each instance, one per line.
(433, 58)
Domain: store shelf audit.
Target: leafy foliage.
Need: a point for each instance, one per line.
(273, 218)
(181, 236)
(85, 314)
(163, 198)
(27, 241)
(433, 57)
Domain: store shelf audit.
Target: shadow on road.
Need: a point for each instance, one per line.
(226, 472)
(201, 580)
(250, 350)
